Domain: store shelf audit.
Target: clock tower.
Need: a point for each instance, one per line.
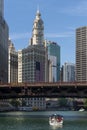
(38, 30)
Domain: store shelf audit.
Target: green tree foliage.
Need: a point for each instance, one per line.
(85, 103)
(62, 102)
(15, 102)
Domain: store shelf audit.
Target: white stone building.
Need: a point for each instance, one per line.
(32, 62)
(12, 63)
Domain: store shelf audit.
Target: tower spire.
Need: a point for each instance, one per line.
(38, 29)
(38, 10)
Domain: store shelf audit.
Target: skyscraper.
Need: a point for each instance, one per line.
(81, 54)
(68, 72)
(31, 64)
(38, 30)
(32, 60)
(54, 64)
(12, 63)
(2, 8)
(3, 46)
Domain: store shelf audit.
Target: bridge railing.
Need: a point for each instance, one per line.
(25, 84)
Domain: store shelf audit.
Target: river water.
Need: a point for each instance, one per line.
(73, 120)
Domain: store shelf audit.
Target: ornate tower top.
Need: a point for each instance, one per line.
(38, 14)
(38, 30)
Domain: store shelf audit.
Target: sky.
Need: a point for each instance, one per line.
(61, 19)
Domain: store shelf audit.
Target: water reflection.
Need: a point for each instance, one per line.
(39, 121)
(56, 127)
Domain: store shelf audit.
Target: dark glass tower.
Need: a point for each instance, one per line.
(3, 46)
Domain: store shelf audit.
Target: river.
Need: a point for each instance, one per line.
(73, 120)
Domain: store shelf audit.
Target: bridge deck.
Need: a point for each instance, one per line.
(51, 89)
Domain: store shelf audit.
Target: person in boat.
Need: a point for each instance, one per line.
(58, 118)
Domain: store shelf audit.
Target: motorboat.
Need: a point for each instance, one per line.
(81, 109)
(56, 120)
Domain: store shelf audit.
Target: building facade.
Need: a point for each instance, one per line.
(69, 72)
(31, 64)
(12, 63)
(36, 103)
(54, 61)
(38, 30)
(4, 32)
(2, 8)
(81, 54)
(32, 61)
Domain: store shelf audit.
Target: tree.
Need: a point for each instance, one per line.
(62, 102)
(85, 103)
(15, 102)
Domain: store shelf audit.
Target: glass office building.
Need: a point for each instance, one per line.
(3, 46)
(68, 72)
(54, 57)
(2, 8)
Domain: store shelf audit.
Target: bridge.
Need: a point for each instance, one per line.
(44, 89)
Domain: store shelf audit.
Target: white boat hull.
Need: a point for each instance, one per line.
(82, 109)
(55, 123)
